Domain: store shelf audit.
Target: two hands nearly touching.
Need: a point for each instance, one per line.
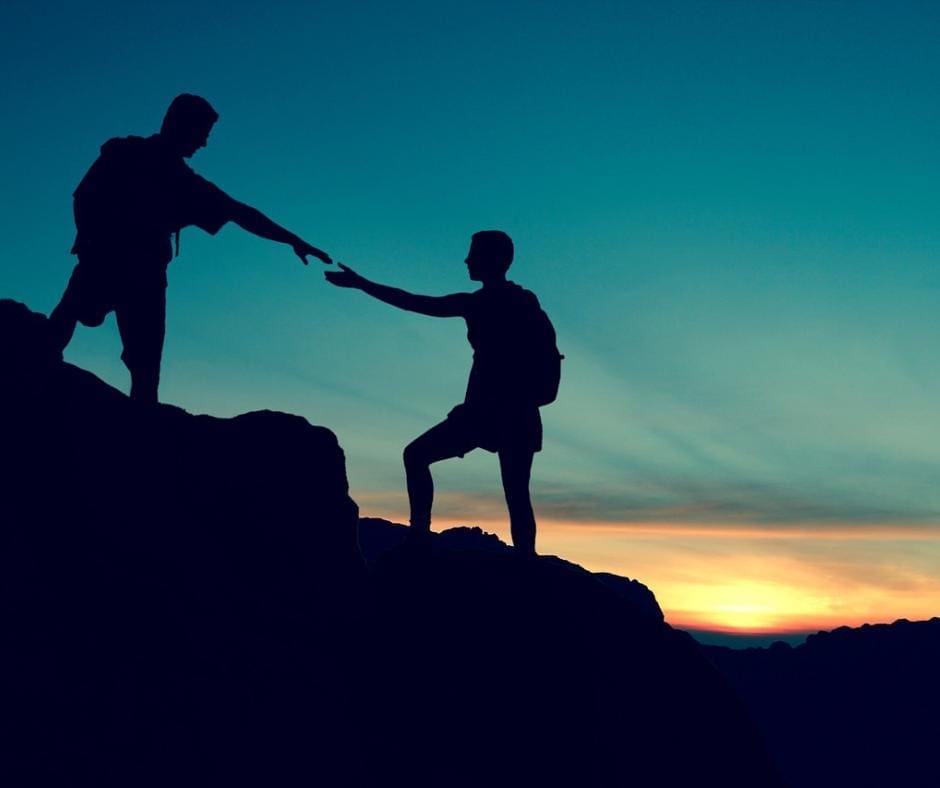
(343, 278)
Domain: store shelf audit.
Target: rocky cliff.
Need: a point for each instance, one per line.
(184, 602)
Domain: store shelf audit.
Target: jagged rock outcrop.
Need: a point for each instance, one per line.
(184, 603)
(378, 537)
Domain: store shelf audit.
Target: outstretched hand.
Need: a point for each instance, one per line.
(345, 277)
(302, 249)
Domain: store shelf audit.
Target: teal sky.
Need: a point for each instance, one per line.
(729, 209)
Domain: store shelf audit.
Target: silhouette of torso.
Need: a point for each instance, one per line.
(499, 320)
(497, 404)
(134, 197)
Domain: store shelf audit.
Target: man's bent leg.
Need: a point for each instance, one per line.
(515, 466)
(441, 442)
(64, 318)
(142, 323)
(87, 299)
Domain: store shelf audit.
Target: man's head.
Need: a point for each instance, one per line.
(490, 255)
(187, 123)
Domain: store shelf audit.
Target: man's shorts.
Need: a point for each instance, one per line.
(95, 289)
(494, 429)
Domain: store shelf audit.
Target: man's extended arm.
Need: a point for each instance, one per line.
(454, 305)
(252, 220)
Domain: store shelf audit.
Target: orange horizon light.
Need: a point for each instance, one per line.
(753, 578)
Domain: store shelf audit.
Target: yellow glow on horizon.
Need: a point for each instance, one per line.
(749, 606)
(763, 578)
(755, 578)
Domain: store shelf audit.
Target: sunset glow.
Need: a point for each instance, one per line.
(759, 579)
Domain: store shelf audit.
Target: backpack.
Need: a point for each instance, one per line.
(515, 358)
(542, 365)
(108, 201)
(123, 198)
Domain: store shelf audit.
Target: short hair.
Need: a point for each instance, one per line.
(494, 247)
(186, 112)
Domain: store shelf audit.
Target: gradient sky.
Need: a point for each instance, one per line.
(729, 209)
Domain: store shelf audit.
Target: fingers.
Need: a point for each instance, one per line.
(340, 278)
(302, 249)
(345, 277)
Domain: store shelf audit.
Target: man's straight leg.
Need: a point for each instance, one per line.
(141, 321)
(515, 466)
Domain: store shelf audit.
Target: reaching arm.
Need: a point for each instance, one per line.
(255, 222)
(454, 305)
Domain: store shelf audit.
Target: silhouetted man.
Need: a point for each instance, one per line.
(515, 369)
(133, 199)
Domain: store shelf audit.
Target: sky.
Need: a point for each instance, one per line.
(729, 210)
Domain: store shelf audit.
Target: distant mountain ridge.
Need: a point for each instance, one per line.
(856, 707)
